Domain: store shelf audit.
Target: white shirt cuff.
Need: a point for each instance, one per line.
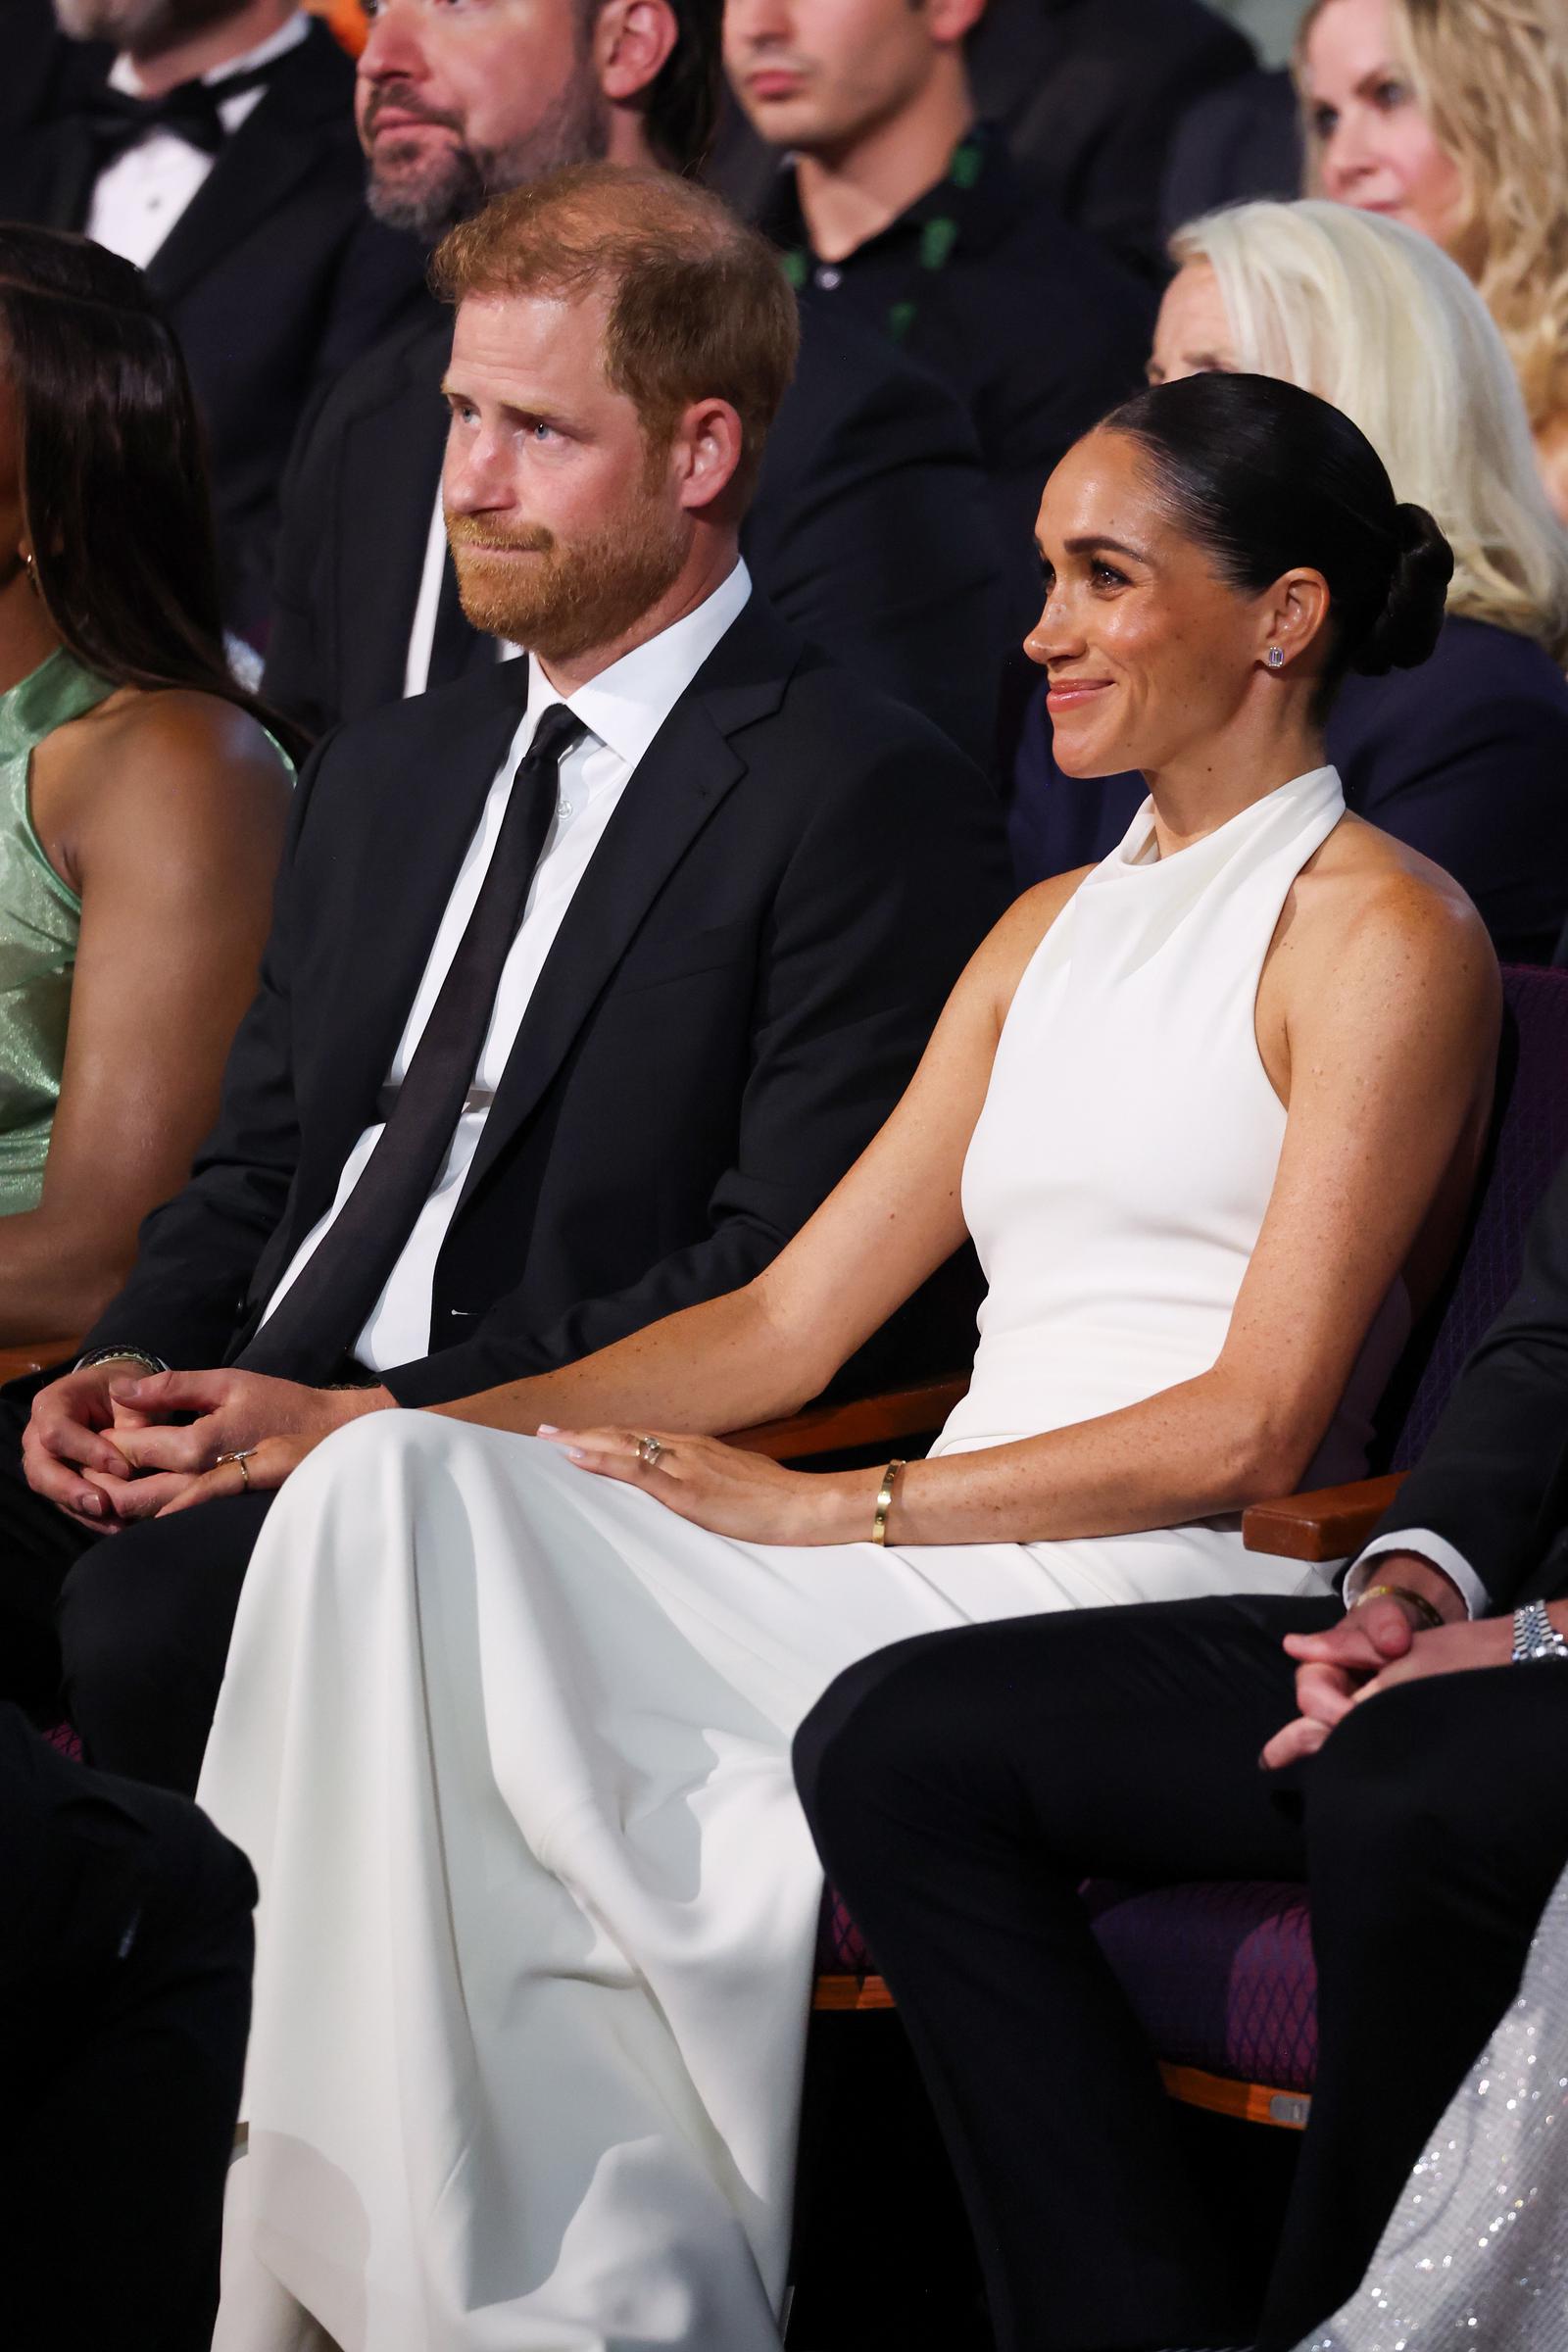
(1435, 1551)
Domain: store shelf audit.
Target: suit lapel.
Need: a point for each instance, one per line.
(390, 473)
(687, 771)
(420, 820)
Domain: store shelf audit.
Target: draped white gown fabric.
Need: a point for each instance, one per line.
(508, 1745)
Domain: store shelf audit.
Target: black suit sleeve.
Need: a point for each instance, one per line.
(197, 1253)
(874, 537)
(866, 944)
(1494, 1479)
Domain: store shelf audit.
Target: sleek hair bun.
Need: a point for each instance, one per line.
(1266, 477)
(1404, 632)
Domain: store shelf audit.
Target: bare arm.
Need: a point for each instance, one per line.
(762, 1351)
(169, 826)
(1390, 1025)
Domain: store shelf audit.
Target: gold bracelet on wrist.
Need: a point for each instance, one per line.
(1418, 1602)
(884, 1501)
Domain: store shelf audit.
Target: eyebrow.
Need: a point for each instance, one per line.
(1096, 540)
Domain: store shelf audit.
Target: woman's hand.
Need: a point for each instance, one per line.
(721, 1487)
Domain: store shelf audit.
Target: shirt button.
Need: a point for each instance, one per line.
(829, 279)
(566, 809)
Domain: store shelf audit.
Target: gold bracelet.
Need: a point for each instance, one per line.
(884, 1502)
(1417, 1600)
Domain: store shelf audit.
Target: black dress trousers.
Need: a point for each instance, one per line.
(124, 2002)
(962, 1785)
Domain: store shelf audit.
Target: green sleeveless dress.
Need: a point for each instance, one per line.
(40, 918)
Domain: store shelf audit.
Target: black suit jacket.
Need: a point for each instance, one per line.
(1239, 143)
(1466, 758)
(870, 532)
(274, 276)
(1088, 93)
(1494, 1479)
(742, 985)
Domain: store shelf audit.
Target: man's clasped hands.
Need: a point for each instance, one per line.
(112, 1444)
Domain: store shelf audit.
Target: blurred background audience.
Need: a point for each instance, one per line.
(896, 204)
(212, 145)
(1452, 115)
(141, 805)
(1470, 762)
(870, 531)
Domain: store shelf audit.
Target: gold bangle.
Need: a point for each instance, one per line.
(884, 1501)
(1418, 1602)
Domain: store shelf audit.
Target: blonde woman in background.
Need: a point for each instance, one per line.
(1468, 763)
(1453, 117)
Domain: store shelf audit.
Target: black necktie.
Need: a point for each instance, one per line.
(321, 1315)
(190, 110)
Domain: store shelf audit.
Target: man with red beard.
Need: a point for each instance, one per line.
(589, 978)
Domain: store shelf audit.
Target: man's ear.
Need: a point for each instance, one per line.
(633, 40)
(711, 444)
(952, 21)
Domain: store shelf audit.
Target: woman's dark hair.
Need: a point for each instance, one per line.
(681, 115)
(1266, 476)
(113, 471)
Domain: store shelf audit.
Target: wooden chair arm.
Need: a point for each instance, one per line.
(31, 1356)
(1330, 1524)
(864, 1421)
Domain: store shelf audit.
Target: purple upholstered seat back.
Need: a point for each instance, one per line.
(1530, 1136)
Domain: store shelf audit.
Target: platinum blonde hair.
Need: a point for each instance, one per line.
(1490, 76)
(1375, 318)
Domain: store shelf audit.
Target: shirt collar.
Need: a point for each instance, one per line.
(981, 211)
(628, 702)
(123, 74)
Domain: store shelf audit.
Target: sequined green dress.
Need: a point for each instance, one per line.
(40, 918)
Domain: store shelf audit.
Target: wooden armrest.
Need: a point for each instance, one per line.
(32, 1355)
(864, 1421)
(1330, 1524)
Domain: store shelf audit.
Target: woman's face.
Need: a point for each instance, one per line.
(1376, 148)
(1192, 334)
(1147, 650)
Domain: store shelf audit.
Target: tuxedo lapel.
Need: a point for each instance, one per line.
(276, 147)
(688, 769)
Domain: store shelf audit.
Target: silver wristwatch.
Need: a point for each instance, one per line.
(1535, 1635)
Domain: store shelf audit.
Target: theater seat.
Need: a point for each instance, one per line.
(1221, 1976)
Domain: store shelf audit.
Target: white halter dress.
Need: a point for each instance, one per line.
(508, 1745)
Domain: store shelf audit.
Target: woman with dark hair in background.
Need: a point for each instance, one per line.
(142, 804)
(526, 2068)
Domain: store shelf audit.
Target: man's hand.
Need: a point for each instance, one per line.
(275, 1422)
(1333, 1667)
(69, 1435)
(1446, 1649)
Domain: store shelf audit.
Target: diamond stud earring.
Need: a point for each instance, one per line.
(1276, 657)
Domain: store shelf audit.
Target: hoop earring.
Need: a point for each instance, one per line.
(1276, 657)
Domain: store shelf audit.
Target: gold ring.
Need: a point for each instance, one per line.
(241, 1461)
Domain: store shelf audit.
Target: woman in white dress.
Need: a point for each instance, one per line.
(506, 1722)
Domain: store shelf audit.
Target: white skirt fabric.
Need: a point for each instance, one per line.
(508, 1746)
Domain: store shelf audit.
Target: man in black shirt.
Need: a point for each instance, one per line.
(899, 208)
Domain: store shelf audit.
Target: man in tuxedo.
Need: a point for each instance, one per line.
(211, 145)
(963, 1788)
(898, 207)
(870, 531)
(1087, 94)
(455, 1147)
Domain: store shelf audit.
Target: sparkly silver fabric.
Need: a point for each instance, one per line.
(1476, 2251)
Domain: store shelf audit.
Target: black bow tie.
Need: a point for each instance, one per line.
(191, 111)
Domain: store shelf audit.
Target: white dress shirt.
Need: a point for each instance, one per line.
(137, 200)
(1435, 1549)
(426, 605)
(623, 708)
